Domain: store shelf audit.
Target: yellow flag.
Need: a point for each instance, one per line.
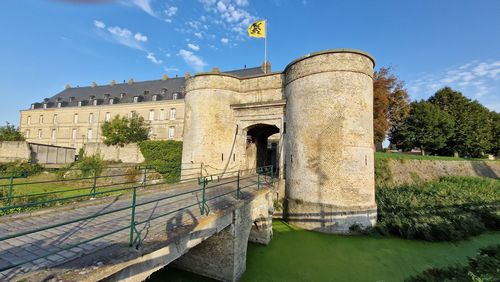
(257, 29)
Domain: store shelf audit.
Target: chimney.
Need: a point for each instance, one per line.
(67, 86)
(164, 77)
(215, 70)
(113, 82)
(187, 75)
(266, 66)
(93, 84)
(131, 81)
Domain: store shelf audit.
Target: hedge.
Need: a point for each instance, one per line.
(164, 156)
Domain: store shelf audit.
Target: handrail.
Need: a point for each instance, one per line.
(135, 235)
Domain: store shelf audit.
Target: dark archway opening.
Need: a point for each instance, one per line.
(262, 150)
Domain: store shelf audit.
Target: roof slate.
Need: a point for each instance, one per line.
(163, 89)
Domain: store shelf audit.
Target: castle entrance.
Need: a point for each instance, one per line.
(262, 142)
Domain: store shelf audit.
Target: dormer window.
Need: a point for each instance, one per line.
(122, 95)
(146, 92)
(164, 91)
(44, 105)
(79, 103)
(95, 102)
(59, 104)
(136, 99)
(174, 96)
(32, 106)
(154, 98)
(71, 99)
(111, 101)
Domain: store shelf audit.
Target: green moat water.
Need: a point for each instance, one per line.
(299, 255)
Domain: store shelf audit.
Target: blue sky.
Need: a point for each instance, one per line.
(46, 44)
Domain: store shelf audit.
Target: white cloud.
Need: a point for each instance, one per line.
(192, 60)
(122, 36)
(99, 24)
(224, 40)
(169, 69)
(199, 35)
(171, 11)
(193, 47)
(477, 80)
(231, 15)
(139, 37)
(153, 59)
(145, 5)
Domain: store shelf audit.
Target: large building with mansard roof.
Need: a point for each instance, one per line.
(74, 116)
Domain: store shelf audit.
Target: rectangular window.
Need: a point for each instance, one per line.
(39, 134)
(171, 132)
(108, 116)
(73, 134)
(89, 134)
(150, 133)
(91, 118)
(151, 115)
(54, 121)
(172, 113)
(75, 118)
(29, 120)
(136, 99)
(174, 96)
(53, 135)
(153, 98)
(27, 134)
(162, 114)
(40, 120)
(111, 101)
(131, 114)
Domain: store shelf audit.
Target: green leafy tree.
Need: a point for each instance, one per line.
(426, 127)
(495, 134)
(472, 131)
(123, 130)
(9, 132)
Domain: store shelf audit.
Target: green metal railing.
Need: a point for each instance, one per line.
(90, 191)
(264, 176)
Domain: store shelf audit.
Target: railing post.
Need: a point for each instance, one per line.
(205, 181)
(11, 188)
(238, 186)
(145, 178)
(132, 218)
(95, 184)
(258, 181)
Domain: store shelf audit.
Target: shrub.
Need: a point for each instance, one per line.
(90, 165)
(484, 267)
(19, 168)
(164, 156)
(452, 208)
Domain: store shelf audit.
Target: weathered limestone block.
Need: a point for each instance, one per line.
(262, 217)
(222, 256)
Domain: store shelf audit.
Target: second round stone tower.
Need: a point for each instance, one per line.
(329, 152)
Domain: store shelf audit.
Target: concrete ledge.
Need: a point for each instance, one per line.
(329, 218)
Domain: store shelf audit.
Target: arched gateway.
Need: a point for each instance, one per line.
(314, 120)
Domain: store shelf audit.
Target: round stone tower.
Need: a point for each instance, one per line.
(329, 141)
(209, 126)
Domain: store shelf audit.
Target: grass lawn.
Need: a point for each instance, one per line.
(401, 156)
(299, 255)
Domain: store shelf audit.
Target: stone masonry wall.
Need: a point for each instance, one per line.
(14, 151)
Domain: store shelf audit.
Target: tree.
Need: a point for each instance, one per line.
(122, 130)
(426, 127)
(9, 132)
(472, 131)
(495, 134)
(390, 103)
